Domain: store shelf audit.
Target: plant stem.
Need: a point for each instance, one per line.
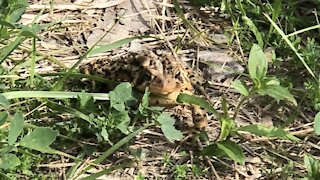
(251, 93)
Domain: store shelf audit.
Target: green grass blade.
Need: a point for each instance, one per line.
(304, 30)
(243, 12)
(51, 94)
(107, 171)
(72, 111)
(254, 29)
(33, 61)
(80, 76)
(117, 146)
(290, 45)
(275, 14)
(183, 18)
(5, 52)
(113, 45)
(192, 99)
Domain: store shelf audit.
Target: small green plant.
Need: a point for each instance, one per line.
(10, 13)
(39, 139)
(114, 118)
(316, 124)
(167, 160)
(313, 167)
(140, 176)
(181, 171)
(262, 86)
(196, 170)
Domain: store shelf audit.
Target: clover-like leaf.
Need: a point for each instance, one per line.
(16, 127)
(120, 95)
(9, 161)
(171, 133)
(85, 101)
(167, 127)
(121, 120)
(40, 139)
(165, 119)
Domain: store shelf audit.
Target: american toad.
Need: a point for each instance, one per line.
(165, 77)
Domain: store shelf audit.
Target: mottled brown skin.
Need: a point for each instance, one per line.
(163, 75)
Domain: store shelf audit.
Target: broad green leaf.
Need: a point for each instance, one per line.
(16, 127)
(28, 34)
(261, 130)
(5, 52)
(171, 133)
(4, 101)
(191, 99)
(225, 148)
(165, 119)
(4, 33)
(113, 45)
(241, 87)
(257, 63)
(16, 14)
(118, 105)
(3, 117)
(120, 95)
(233, 150)
(9, 161)
(40, 139)
(7, 24)
(278, 93)
(227, 125)
(85, 101)
(123, 92)
(316, 125)
(167, 127)
(312, 166)
(104, 133)
(272, 81)
(121, 119)
(254, 29)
